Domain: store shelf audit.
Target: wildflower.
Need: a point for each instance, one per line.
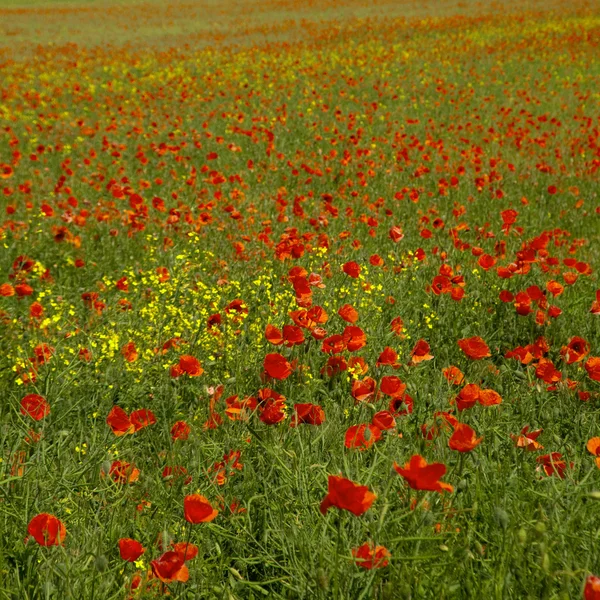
(347, 495)
(422, 476)
(47, 530)
(197, 509)
(370, 556)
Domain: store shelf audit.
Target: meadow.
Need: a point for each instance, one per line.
(299, 300)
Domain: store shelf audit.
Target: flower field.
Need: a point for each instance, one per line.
(299, 300)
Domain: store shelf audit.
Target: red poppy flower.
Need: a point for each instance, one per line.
(468, 396)
(397, 326)
(351, 269)
(575, 351)
(422, 476)
(47, 530)
(142, 418)
(311, 414)
(180, 431)
(348, 313)
(129, 352)
(272, 411)
(119, 421)
(35, 406)
(595, 310)
(362, 390)
(474, 347)
(388, 357)
(361, 436)
(22, 289)
(592, 588)
(7, 290)
(593, 447)
(527, 439)
(370, 556)
(123, 472)
(354, 338)
(383, 420)
(170, 567)
(122, 284)
(489, 398)
(347, 495)
(592, 366)
(277, 366)
(197, 509)
(334, 344)
(547, 372)
(420, 352)
(130, 550)
(185, 550)
(453, 375)
(190, 365)
(392, 386)
(292, 335)
(464, 438)
(553, 464)
(396, 234)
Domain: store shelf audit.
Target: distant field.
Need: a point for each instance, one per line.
(299, 300)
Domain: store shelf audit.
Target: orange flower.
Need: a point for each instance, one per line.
(170, 567)
(351, 269)
(362, 436)
(388, 357)
(180, 431)
(273, 335)
(468, 396)
(119, 422)
(383, 420)
(464, 438)
(347, 495)
(277, 366)
(311, 414)
(7, 290)
(397, 325)
(595, 310)
(422, 476)
(197, 509)
(142, 418)
(370, 556)
(190, 365)
(592, 366)
(575, 351)
(354, 338)
(453, 375)
(47, 530)
(420, 352)
(130, 550)
(362, 390)
(489, 398)
(592, 588)
(129, 352)
(474, 347)
(185, 550)
(392, 386)
(348, 313)
(527, 439)
(547, 372)
(35, 406)
(593, 447)
(553, 464)
(123, 472)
